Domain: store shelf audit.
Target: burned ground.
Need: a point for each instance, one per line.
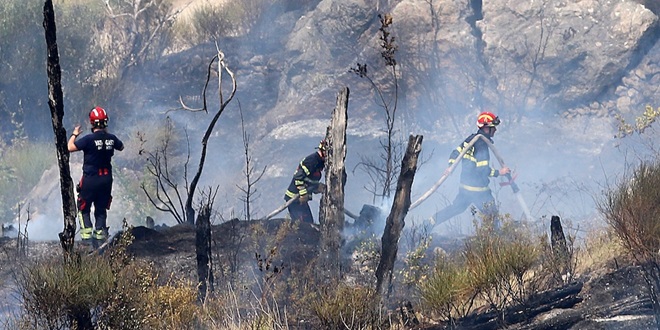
(614, 297)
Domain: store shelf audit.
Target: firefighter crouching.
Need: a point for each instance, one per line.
(305, 182)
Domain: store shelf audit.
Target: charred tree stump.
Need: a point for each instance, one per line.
(331, 211)
(558, 243)
(56, 105)
(395, 221)
(557, 237)
(203, 249)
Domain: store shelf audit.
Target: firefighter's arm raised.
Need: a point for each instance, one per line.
(72, 139)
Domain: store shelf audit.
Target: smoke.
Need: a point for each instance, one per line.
(42, 228)
(561, 163)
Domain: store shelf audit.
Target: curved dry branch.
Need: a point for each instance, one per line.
(188, 108)
(222, 67)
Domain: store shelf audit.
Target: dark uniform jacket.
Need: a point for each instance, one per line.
(98, 148)
(307, 176)
(476, 169)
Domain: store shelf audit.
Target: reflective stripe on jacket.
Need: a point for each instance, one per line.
(308, 175)
(476, 169)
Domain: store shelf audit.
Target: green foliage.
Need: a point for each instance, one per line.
(21, 166)
(97, 43)
(499, 267)
(632, 210)
(22, 49)
(56, 291)
(366, 256)
(416, 264)
(112, 290)
(211, 22)
(22, 54)
(642, 122)
(498, 261)
(20, 31)
(448, 290)
(346, 307)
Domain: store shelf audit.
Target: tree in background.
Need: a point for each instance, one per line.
(383, 171)
(131, 33)
(249, 172)
(168, 195)
(22, 57)
(99, 42)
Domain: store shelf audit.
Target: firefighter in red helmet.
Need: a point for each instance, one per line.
(95, 187)
(476, 171)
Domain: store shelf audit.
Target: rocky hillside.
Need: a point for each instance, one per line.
(556, 72)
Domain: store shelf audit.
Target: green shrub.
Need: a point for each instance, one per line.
(416, 262)
(59, 293)
(112, 290)
(498, 262)
(497, 267)
(633, 211)
(210, 22)
(206, 23)
(346, 307)
(643, 122)
(447, 291)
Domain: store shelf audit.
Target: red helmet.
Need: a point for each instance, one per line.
(487, 119)
(98, 117)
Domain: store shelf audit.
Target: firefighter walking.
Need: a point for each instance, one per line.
(476, 171)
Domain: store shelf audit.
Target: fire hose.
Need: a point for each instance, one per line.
(451, 168)
(293, 199)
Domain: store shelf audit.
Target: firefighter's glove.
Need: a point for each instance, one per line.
(320, 188)
(304, 198)
(504, 171)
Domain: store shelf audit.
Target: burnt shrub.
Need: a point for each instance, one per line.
(632, 210)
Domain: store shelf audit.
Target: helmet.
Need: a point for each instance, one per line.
(487, 119)
(98, 117)
(323, 145)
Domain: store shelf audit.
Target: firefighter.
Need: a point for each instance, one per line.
(95, 187)
(475, 173)
(305, 182)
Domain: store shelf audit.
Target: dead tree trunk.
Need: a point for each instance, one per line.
(560, 251)
(395, 221)
(557, 238)
(56, 105)
(203, 249)
(331, 212)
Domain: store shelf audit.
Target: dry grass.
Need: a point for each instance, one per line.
(600, 251)
(188, 7)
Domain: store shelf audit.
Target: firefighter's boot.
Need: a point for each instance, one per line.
(86, 230)
(100, 236)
